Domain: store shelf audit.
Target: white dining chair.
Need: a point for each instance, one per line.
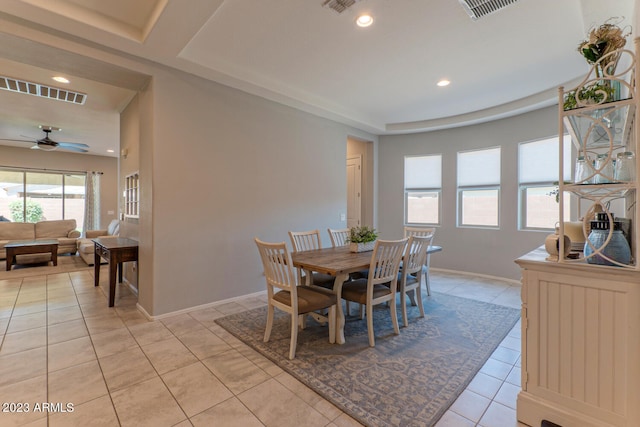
(284, 293)
(381, 285)
(339, 237)
(307, 241)
(423, 232)
(411, 273)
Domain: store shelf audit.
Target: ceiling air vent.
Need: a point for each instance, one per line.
(37, 89)
(338, 5)
(476, 9)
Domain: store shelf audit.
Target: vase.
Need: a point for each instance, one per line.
(617, 249)
(362, 247)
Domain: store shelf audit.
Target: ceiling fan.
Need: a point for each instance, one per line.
(48, 144)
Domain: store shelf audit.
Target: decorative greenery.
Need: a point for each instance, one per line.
(34, 211)
(595, 93)
(363, 234)
(602, 41)
(556, 191)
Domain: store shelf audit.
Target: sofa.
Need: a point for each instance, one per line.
(86, 246)
(63, 230)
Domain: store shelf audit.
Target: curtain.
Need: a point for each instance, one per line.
(92, 201)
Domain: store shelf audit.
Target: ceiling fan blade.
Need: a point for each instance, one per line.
(17, 140)
(72, 144)
(72, 148)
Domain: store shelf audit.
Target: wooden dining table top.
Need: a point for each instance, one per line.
(339, 260)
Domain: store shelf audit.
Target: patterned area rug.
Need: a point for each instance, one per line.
(409, 379)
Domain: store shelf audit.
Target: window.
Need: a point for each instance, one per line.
(479, 187)
(422, 188)
(132, 196)
(32, 196)
(538, 178)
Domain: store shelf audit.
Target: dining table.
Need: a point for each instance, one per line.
(338, 262)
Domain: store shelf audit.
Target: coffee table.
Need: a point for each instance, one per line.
(23, 247)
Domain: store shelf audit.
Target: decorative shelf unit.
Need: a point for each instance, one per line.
(603, 129)
(580, 320)
(132, 196)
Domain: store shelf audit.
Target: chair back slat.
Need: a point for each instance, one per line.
(339, 237)
(416, 253)
(277, 264)
(305, 240)
(419, 231)
(385, 260)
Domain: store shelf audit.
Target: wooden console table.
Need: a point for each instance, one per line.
(115, 250)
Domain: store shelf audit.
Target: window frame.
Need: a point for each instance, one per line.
(523, 187)
(427, 189)
(461, 189)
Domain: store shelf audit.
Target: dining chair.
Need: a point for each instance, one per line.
(423, 232)
(339, 237)
(307, 241)
(381, 285)
(411, 273)
(284, 293)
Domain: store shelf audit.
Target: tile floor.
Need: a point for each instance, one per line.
(61, 344)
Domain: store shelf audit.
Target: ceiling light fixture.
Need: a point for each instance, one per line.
(60, 79)
(364, 20)
(443, 83)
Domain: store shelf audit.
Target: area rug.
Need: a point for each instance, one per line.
(409, 379)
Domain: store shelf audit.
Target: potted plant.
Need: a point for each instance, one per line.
(362, 238)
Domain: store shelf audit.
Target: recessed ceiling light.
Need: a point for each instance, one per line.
(110, 151)
(364, 20)
(443, 82)
(60, 79)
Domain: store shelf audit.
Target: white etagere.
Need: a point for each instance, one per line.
(607, 127)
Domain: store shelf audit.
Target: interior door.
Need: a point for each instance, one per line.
(354, 191)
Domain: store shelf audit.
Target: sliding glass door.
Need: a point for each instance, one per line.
(32, 196)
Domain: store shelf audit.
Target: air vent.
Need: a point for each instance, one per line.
(37, 89)
(338, 5)
(476, 9)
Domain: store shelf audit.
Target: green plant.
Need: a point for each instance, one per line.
(363, 234)
(34, 211)
(595, 93)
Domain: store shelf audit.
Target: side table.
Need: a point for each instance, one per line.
(115, 250)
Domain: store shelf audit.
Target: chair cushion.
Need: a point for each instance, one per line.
(308, 299)
(356, 291)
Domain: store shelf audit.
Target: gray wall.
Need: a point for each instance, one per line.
(227, 167)
(483, 251)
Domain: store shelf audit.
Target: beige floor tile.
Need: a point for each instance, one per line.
(168, 355)
(66, 331)
(451, 419)
(70, 353)
(28, 321)
(95, 413)
(485, 385)
(147, 404)
(498, 415)
(506, 355)
(104, 323)
(507, 395)
(126, 368)
(77, 384)
(113, 342)
(21, 393)
(496, 368)
(182, 324)
(204, 343)
(149, 332)
(470, 405)
(29, 308)
(196, 388)
(312, 398)
(230, 308)
(61, 302)
(274, 404)
(25, 340)
(64, 314)
(236, 371)
(18, 367)
(231, 413)
(207, 316)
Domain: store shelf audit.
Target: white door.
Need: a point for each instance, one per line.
(354, 191)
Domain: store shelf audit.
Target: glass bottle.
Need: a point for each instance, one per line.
(625, 169)
(604, 166)
(584, 171)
